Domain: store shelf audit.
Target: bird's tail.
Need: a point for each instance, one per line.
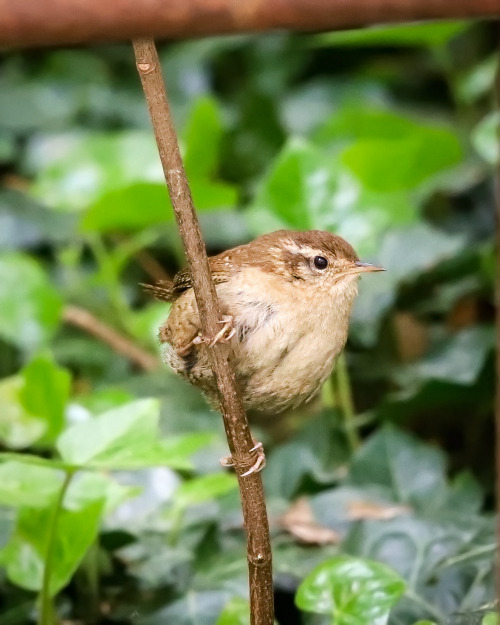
(163, 290)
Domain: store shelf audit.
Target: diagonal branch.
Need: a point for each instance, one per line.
(235, 422)
(85, 320)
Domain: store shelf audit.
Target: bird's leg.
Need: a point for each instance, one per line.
(258, 465)
(182, 351)
(226, 333)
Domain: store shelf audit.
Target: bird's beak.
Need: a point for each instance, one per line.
(365, 267)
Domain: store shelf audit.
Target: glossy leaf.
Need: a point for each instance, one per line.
(204, 488)
(27, 225)
(413, 472)
(25, 554)
(18, 427)
(235, 612)
(385, 165)
(33, 403)
(299, 191)
(419, 248)
(195, 608)
(359, 122)
(130, 207)
(485, 138)
(309, 189)
(77, 524)
(428, 34)
(458, 359)
(45, 392)
(351, 590)
(404, 253)
(126, 437)
(201, 137)
(31, 306)
(75, 170)
(23, 484)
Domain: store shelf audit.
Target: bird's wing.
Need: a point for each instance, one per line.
(169, 291)
(183, 281)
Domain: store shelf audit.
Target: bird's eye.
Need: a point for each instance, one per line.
(320, 262)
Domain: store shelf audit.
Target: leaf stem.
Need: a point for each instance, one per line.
(345, 401)
(46, 614)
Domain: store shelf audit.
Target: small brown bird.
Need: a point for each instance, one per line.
(286, 299)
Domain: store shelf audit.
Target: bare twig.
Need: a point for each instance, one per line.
(25, 24)
(151, 266)
(87, 321)
(235, 422)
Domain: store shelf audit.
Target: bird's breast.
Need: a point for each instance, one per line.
(284, 346)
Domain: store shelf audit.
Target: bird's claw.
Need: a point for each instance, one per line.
(257, 466)
(226, 333)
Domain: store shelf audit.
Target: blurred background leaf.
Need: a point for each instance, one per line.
(385, 135)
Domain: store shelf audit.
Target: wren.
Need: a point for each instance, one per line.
(286, 298)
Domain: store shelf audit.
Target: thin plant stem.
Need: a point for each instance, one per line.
(90, 582)
(46, 614)
(345, 401)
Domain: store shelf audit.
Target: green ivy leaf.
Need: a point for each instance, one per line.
(459, 359)
(307, 188)
(299, 190)
(26, 224)
(77, 522)
(18, 427)
(353, 591)
(204, 488)
(45, 393)
(413, 472)
(125, 438)
(131, 207)
(75, 170)
(33, 403)
(31, 307)
(359, 122)
(201, 137)
(386, 165)
(23, 484)
(430, 34)
(235, 612)
(485, 138)
(25, 554)
(195, 607)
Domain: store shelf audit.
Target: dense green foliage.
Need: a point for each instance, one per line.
(113, 506)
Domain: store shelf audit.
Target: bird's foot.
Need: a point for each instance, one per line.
(226, 333)
(260, 461)
(182, 351)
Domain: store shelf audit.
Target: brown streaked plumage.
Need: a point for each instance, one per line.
(289, 295)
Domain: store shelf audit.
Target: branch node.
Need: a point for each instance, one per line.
(145, 68)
